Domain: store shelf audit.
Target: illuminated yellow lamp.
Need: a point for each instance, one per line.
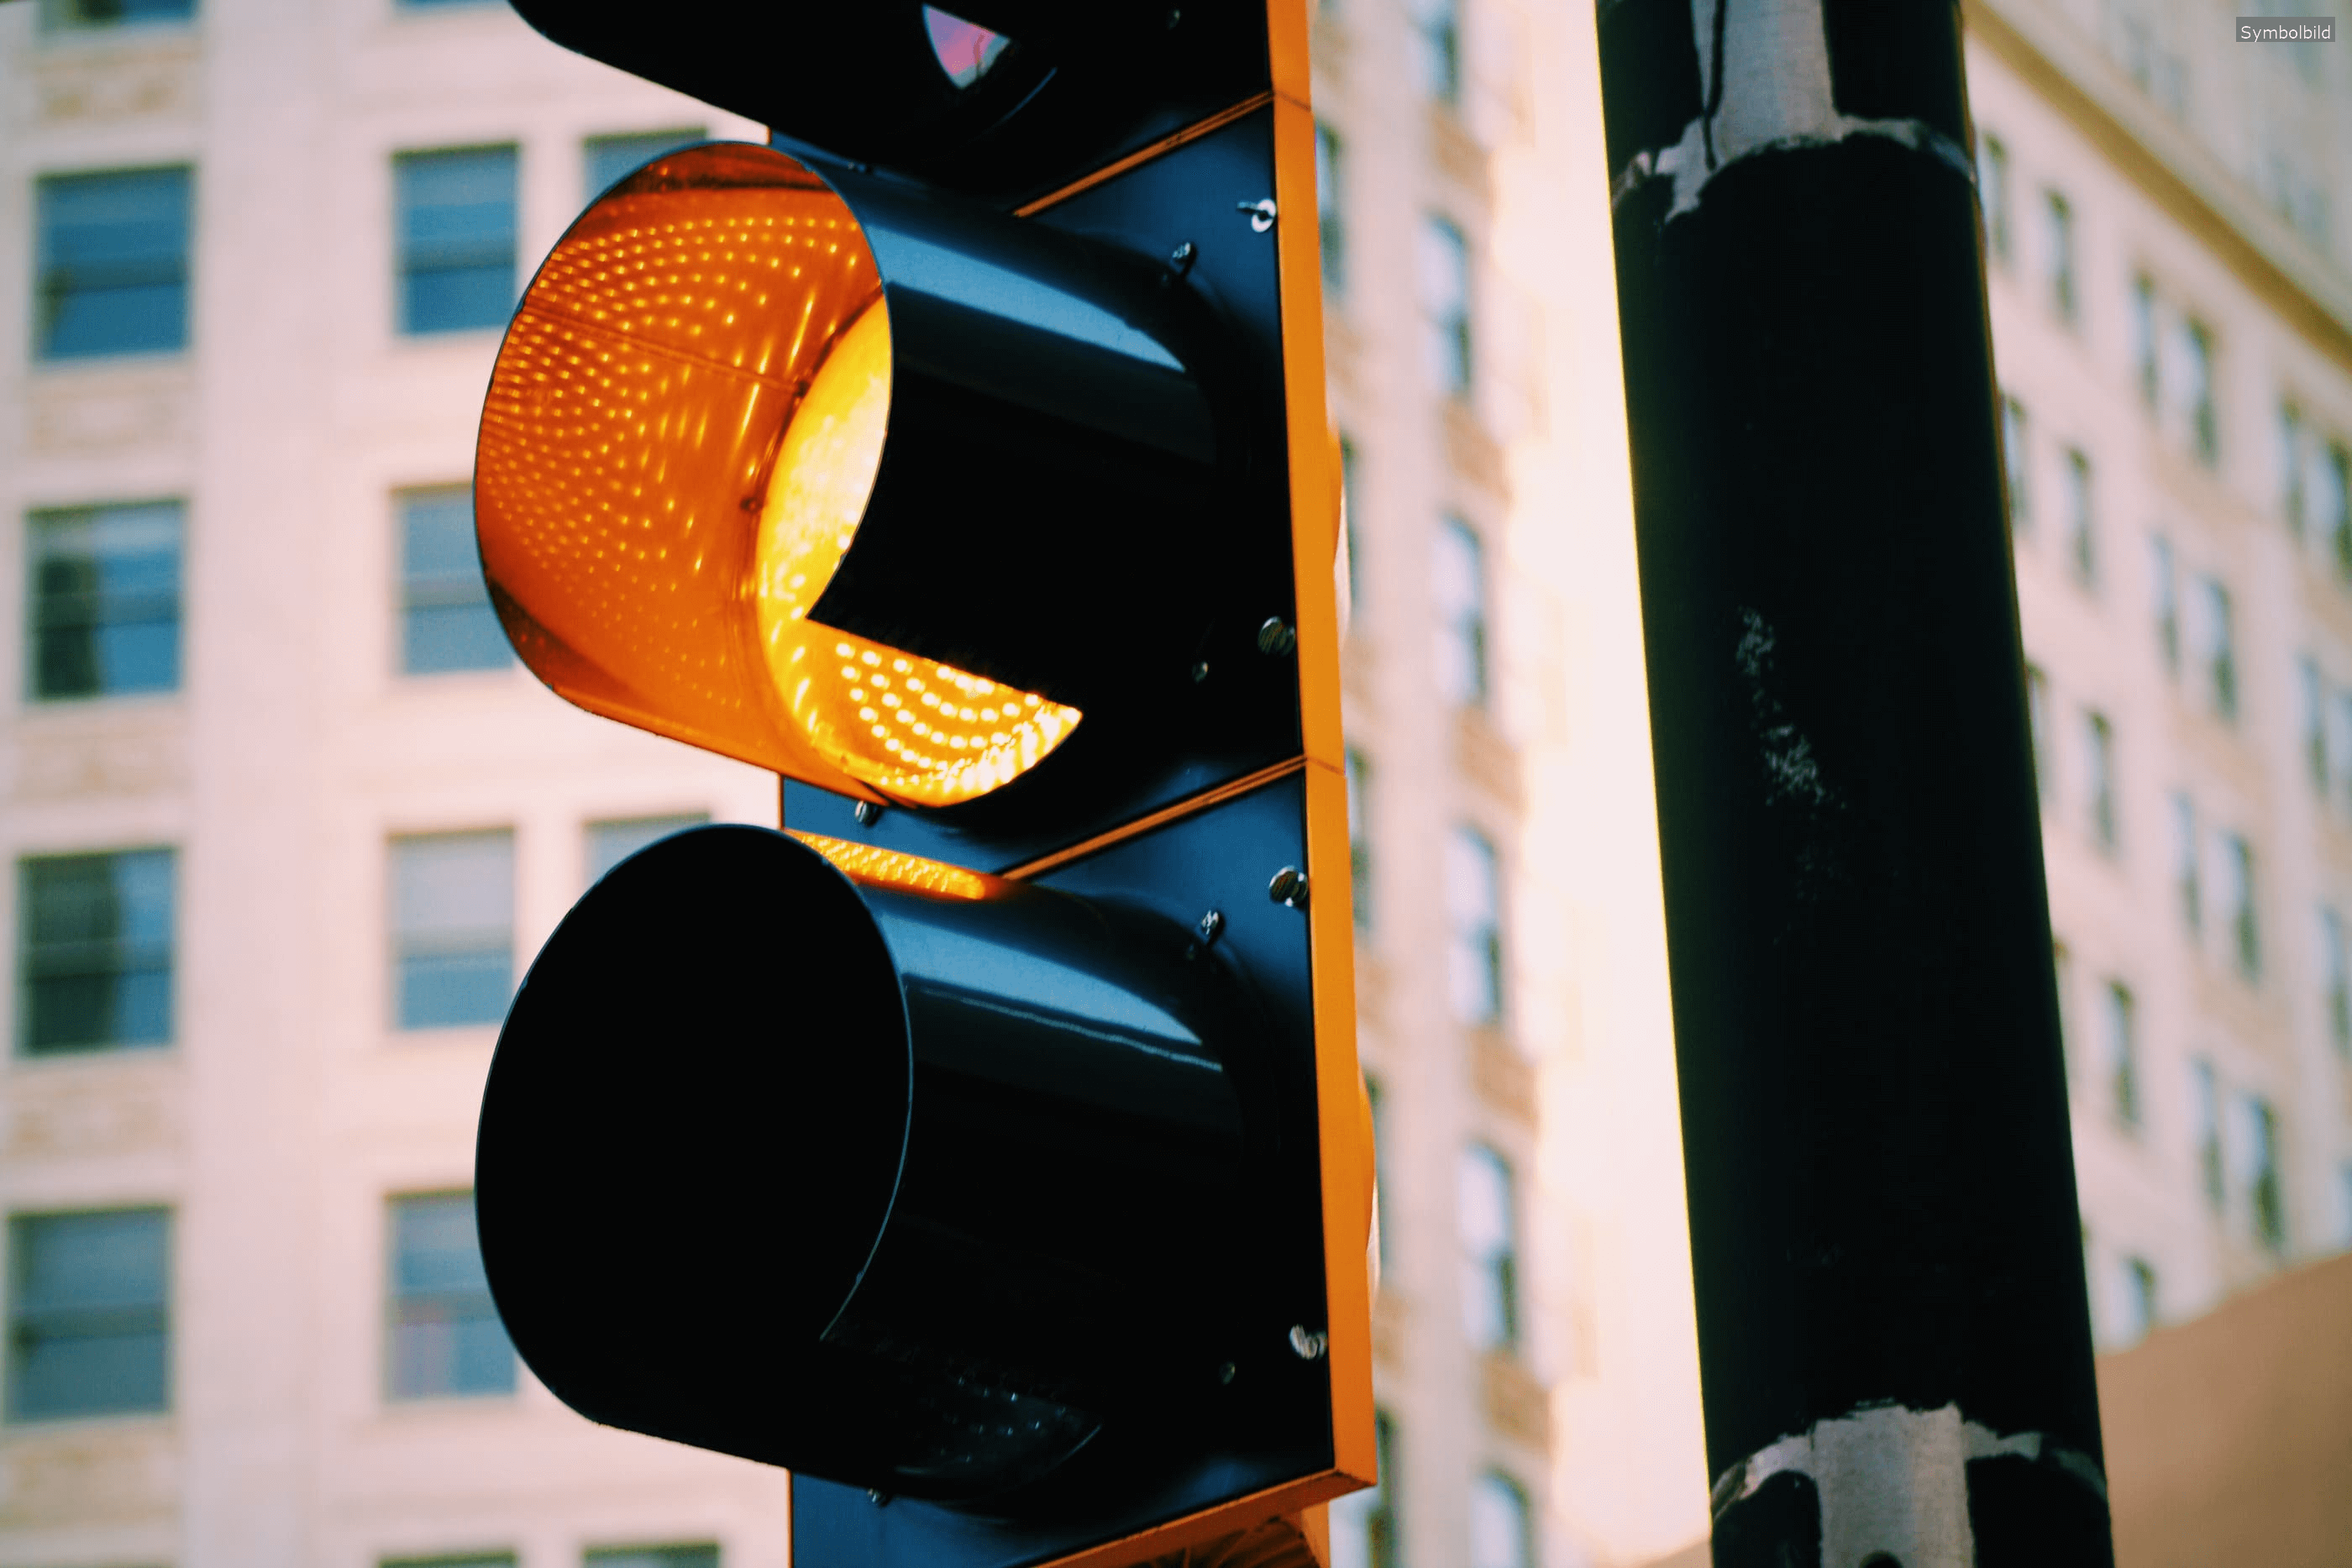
(911, 727)
(889, 868)
(681, 433)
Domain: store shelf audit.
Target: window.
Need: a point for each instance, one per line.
(1359, 836)
(2061, 969)
(2333, 503)
(443, 1335)
(113, 252)
(1487, 1213)
(2164, 598)
(2292, 494)
(1329, 216)
(608, 159)
(96, 970)
(80, 15)
(469, 1559)
(2197, 393)
(2339, 738)
(89, 1330)
(2245, 932)
(2205, 1094)
(2148, 373)
(2336, 972)
(452, 928)
(703, 1556)
(611, 843)
(445, 619)
(457, 238)
(2218, 646)
(1351, 492)
(2263, 1192)
(2186, 883)
(1474, 915)
(1992, 194)
(1458, 581)
(2059, 230)
(1364, 1523)
(2082, 535)
(2037, 724)
(1437, 37)
(2311, 709)
(2123, 1053)
(2013, 469)
(104, 616)
(1445, 306)
(2139, 1299)
(1501, 1533)
(2099, 766)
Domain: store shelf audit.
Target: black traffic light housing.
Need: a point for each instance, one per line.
(987, 1146)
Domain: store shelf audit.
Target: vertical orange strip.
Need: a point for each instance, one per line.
(1314, 543)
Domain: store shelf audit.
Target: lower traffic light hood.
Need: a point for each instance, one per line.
(848, 479)
(878, 1169)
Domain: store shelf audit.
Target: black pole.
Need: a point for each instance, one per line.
(1893, 1338)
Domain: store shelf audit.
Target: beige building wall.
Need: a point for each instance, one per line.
(2186, 498)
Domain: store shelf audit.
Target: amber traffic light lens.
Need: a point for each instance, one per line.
(680, 439)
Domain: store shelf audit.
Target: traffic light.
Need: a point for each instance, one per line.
(987, 1145)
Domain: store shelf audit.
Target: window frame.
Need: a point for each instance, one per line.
(408, 247)
(19, 1227)
(40, 623)
(49, 297)
(24, 1047)
(396, 1301)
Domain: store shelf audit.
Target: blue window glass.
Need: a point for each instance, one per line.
(445, 1335)
(457, 238)
(95, 965)
(452, 928)
(104, 616)
(701, 1557)
(608, 157)
(92, 14)
(445, 619)
(88, 1313)
(114, 264)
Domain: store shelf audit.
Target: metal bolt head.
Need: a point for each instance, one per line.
(1289, 886)
(1276, 636)
(867, 813)
(1225, 1373)
(1309, 1345)
(1200, 672)
(1212, 925)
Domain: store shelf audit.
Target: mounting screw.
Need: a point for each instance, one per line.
(1289, 886)
(1276, 636)
(1200, 672)
(1225, 1373)
(869, 812)
(1211, 927)
(881, 1499)
(1182, 257)
(1309, 1346)
(1261, 213)
(1174, 16)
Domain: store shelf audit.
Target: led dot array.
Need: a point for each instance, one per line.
(889, 868)
(629, 423)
